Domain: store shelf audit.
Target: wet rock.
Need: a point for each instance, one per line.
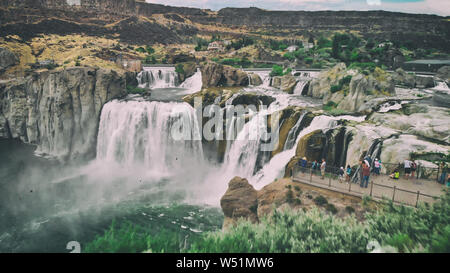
(254, 79)
(444, 73)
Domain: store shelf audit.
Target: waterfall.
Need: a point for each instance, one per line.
(193, 83)
(157, 77)
(276, 166)
(293, 133)
(141, 133)
(298, 90)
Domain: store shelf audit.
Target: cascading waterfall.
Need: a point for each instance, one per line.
(193, 83)
(142, 133)
(157, 77)
(275, 168)
(293, 133)
(298, 90)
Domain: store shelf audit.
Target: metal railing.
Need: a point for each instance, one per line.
(330, 179)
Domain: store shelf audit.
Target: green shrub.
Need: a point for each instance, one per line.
(290, 196)
(349, 209)
(135, 90)
(335, 88)
(179, 69)
(320, 200)
(288, 232)
(331, 208)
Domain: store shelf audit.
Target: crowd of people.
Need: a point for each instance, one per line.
(367, 167)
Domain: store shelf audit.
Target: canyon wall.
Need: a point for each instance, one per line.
(58, 111)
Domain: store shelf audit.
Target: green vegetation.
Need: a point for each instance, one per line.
(422, 229)
(150, 60)
(349, 209)
(128, 238)
(342, 83)
(243, 42)
(278, 71)
(236, 62)
(331, 208)
(277, 45)
(135, 90)
(320, 200)
(179, 69)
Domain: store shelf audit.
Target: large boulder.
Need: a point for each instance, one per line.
(320, 86)
(239, 201)
(363, 89)
(187, 70)
(214, 74)
(285, 83)
(444, 73)
(7, 59)
(59, 111)
(254, 79)
(402, 78)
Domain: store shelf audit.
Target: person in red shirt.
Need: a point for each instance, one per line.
(366, 174)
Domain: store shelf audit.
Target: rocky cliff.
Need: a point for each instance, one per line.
(352, 90)
(58, 111)
(29, 18)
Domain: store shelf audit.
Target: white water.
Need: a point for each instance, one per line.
(193, 83)
(275, 168)
(157, 77)
(290, 140)
(300, 86)
(135, 133)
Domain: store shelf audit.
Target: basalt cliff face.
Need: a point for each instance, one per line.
(58, 111)
(165, 24)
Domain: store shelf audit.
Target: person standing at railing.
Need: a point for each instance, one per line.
(303, 164)
(377, 166)
(407, 166)
(444, 171)
(413, 169)
(341, 174)
(322, 168)
(349, 173)
(366, 174)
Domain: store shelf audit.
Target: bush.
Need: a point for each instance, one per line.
(349, 209)
(288, 232)
(290, 56)
(135, 90)
(331, 208)
(335, 88)
(320, 200)
(276, 71)
(179, 69)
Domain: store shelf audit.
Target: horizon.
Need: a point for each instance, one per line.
(428, 7)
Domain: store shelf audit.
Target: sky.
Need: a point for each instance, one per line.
(439, 7)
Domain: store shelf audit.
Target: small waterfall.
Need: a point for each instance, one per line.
(157, 77)
(298, 90)
(141, 133)
(193, 83)
(276, 166)
(293, 133)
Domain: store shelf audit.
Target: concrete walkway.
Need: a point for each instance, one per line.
(407, 192)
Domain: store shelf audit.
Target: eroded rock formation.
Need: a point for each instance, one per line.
(59, 110)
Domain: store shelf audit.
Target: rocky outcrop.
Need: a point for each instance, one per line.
(402, 78)
(58, 111)
(7, 59)
(214, 74)
(239, 201)
(444, 73)
(286, 83)
(187, 70)
(352, 90)
(363, 89)
(254, 79)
